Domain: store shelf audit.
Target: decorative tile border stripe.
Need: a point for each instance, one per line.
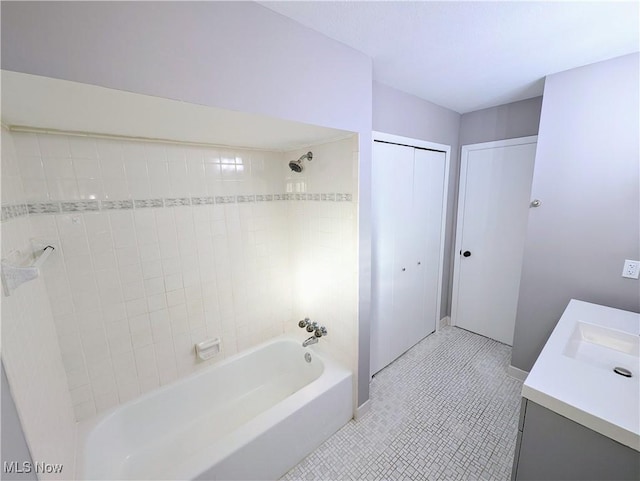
(225, 199)
(201, 200)
(147, 203)
(343, 197)
(43, 207)
(177, 202)
(80, 206)
(12, 211)
(116, 204)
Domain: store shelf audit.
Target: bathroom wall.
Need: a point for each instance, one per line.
(161, 247)
(233, 55)
(30, 351)
(168, 49)
(134, 289)
(396, 112)
(323, 245)
(509, 121)
(586, 176)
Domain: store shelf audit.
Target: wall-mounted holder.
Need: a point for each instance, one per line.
(205, 350)
(13, 276)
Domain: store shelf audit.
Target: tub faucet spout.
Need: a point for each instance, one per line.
(312, 340)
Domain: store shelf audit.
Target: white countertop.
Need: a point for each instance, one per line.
(589, 393)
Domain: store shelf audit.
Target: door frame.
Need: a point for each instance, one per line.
(425, 144)
(462, 188)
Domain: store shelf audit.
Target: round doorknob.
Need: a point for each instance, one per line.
(466, 253)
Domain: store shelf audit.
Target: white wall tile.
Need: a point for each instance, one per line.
(86, 168)
(35, 190)
(27, 320)
(109, 150)
(133, 150)
(85, 410)
(140, 328)
(58, 168)
(135, 289)
(151, 269)
(130, 273)
(111, 164)
(54, 145)
(31, 167)
(159, 178)
(90, 189)
(136, 307)
(116, 189)
(81, 394)
(178, 177)
(26, 144)
(106, 400)
(156, 302)
(83, 147)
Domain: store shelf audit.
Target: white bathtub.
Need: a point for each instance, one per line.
(252, 416)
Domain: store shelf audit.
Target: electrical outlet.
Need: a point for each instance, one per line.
(631, 269)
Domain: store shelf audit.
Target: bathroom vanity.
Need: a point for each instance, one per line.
(579, 419)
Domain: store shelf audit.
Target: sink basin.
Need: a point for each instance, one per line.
(574, 374)
(604, 347)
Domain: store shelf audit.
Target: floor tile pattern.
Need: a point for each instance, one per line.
(445, 410)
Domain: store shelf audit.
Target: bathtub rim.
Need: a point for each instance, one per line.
(85, 428)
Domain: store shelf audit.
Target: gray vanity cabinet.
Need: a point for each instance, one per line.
(552, 447)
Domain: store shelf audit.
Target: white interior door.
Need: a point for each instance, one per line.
(493, 206)
(407, 211)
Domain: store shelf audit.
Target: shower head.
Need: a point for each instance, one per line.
(296, 165)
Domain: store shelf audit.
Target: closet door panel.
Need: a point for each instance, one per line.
(407, 203)
(392, 166)
(429, 178)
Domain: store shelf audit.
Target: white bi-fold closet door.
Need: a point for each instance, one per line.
(408, 200)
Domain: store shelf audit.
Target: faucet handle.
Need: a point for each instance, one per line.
(304, 322)
(311, 326)
(320, 331)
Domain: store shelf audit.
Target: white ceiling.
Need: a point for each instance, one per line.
(47, 103)
(472, 55)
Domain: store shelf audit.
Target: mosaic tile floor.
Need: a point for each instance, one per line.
(445, 410)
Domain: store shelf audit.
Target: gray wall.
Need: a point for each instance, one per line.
(510, 121)
(396, 112)
(586, 175)
(14, 444)
(234, 55)
(402, 114)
